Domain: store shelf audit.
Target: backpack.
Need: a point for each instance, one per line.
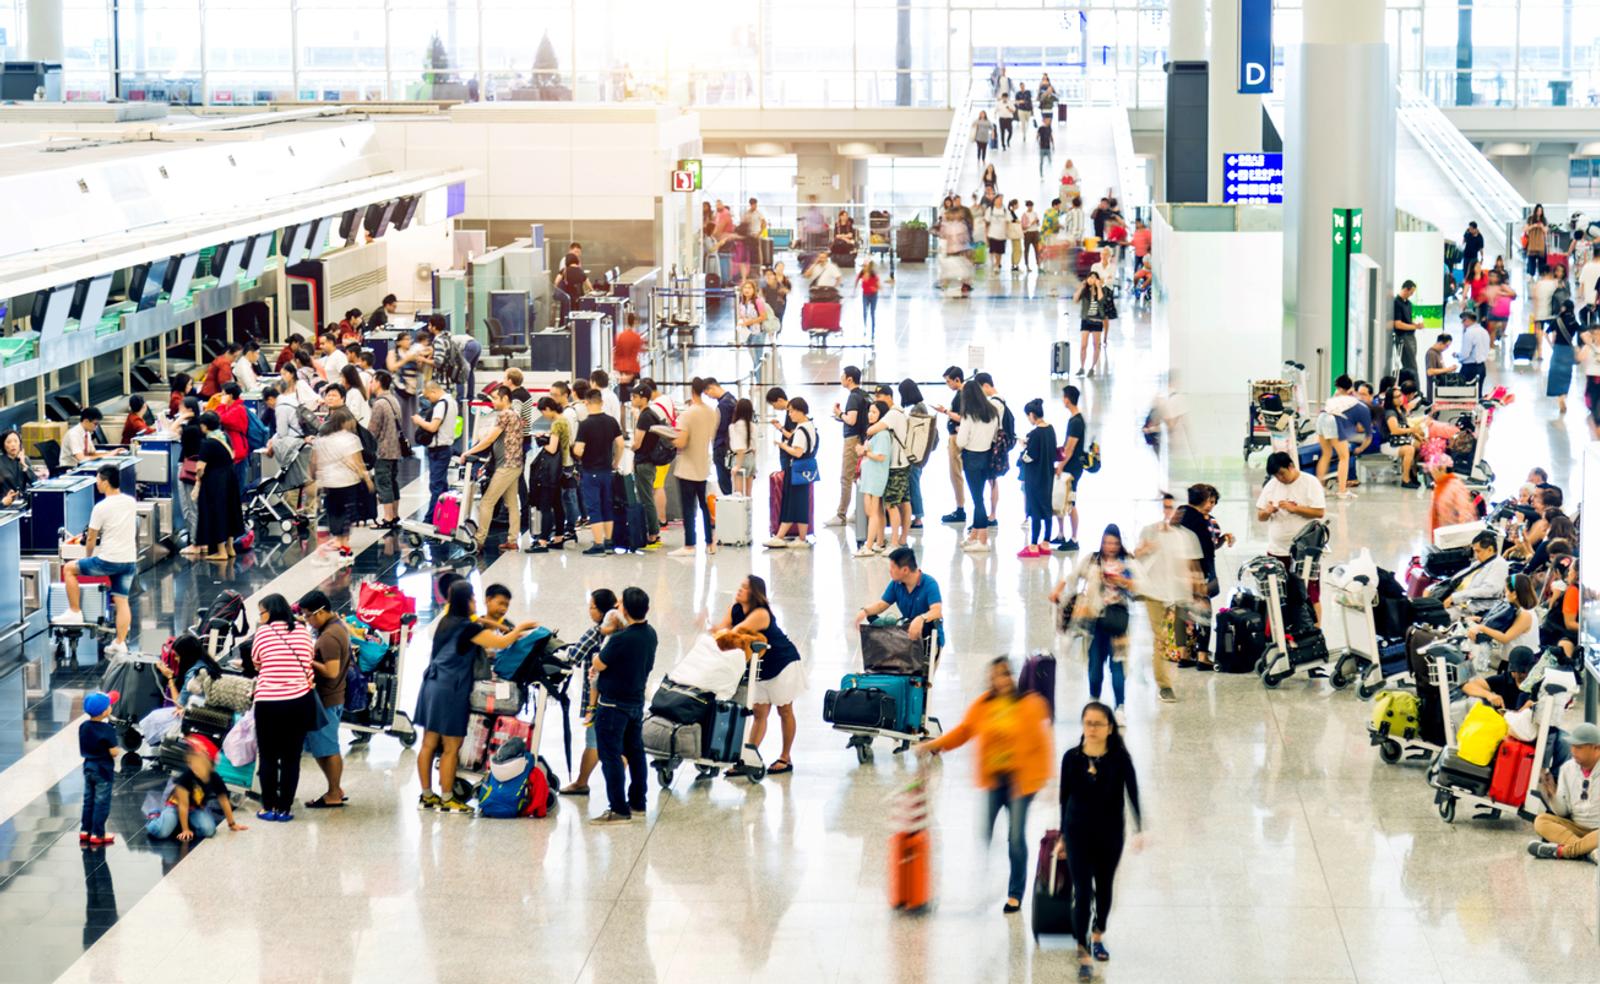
(656, 449)
(369, 446)
(1005, 439)
(922, 437)
(1091, 457)
(256, 434)
(506, 799)
(448, 364)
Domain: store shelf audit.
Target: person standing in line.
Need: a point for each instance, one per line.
(726, 404)
(1096, 775)
(954, 379)
(652, 455)
(347, 486)
(1197, 519)
(439, 426)
(598, 448)
(99, 747)
(605, 617)
(874, 479)
(697, 428)
(742, 447)
(1565, 334)
(386, 434)
(219, 509)
(867, 280)
(1475, 348)
(621, 669)
(897, 489)
(1013, 761)
(982, 132)
(911, 402)
(1006, 113)
(1029, 221)
(853, 415)
(1169, 562)
(1036, 466)
(980, 422)
(1102, 585)
(284, 704)
(797, 453)
(331, 662)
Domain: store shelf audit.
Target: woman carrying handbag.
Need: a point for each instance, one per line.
(1103, 584)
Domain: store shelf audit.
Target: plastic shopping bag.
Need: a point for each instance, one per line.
(240, 743)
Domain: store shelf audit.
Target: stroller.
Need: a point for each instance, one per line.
(268, 507)
(889, 698)
(687, 724)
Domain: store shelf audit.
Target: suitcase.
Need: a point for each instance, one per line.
(910, 864)
(733, 520)
(1396, 714)
(1084, 261)
(383, 687)
(238, 776)
(1513, 770)
(863, 518)
(1525, 348)
(1241, 640)
(173, 755)
(775, 492)
(1456, 773)
(475, 746)
(1052, 891)
(213, 722)
(909, 694)
(665, 739)
(1061, 359)
(1039, 677)
(679, 704)
(725, 738)
(91, 601)
(820, 316)
(1442, 562)
(447, 513)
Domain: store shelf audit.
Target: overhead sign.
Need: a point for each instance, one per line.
(1255, 46)
(692, 165)
(682, 180)
(1252, 178)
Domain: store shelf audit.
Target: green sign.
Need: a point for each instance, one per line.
(692, 165)
(1346, 240)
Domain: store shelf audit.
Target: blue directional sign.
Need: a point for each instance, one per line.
(1252, 178)
(1255, 46)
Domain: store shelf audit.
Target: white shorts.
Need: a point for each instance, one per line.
(1328, 426)
(781, 689)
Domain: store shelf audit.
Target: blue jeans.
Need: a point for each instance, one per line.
(597, 495)
(621, 745)
(438, 476)
(166, 825)
(869, 310)
(96, 802)
(1101, 646)
(1016, 832)
(693, 496)
(916, 491)
(569, 511)
(975, 466)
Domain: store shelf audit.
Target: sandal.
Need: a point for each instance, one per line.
(575, 791)
(322, 804)
(779, 767)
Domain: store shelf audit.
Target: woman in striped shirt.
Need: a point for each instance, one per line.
(283, 654)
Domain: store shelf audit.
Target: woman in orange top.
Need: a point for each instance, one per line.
(1014, 753)
(1452, 501)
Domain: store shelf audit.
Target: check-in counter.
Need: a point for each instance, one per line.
(63, 502)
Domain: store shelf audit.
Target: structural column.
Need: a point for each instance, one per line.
(1185, 155)
(1339, 115)
(46, 40)
(1233, 118)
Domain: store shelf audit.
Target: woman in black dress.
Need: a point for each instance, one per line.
(800, 444)
(1036, 467)
(1096, 774)
(444, 704)
(186, 422)
(15, 472)
(218, 501)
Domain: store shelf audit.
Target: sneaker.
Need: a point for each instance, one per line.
(70, 617)
(637, 808)
(117, 649)
(452, 805)
(959, 516)
(837, 521)
(1071, 546)
(1544, 850)
(801, 544)
(683, 552)
(865, 552)
(976, 546)
(1167, 696)
(1122, 717)
(596, 551)
(428, 801)
(1411, 485)
(777, 543)
(611, 817)
(653, 545)
(536, 548)
(267, 816)
(102, 841)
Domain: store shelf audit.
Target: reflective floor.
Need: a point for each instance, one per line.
(1280, 848)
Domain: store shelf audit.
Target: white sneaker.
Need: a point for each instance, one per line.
(683, 552)
(70, 617)
(800, 544)
(117, 649)
(837, 521)
(866, 552)
(1122, 717)
(777, 543)
(977, 546)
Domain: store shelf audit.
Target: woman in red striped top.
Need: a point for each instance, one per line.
(282, 651)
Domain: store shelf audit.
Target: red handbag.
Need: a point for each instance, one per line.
(189, 471)
(382, 606)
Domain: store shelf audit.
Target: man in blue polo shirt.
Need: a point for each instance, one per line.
(914, 594)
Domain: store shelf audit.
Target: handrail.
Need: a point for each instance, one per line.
(1485, 189)
(1131, 189)
(955, 145)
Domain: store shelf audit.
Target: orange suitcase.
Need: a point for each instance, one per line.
(910, 881)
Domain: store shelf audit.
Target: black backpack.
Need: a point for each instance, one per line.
(1005, 440)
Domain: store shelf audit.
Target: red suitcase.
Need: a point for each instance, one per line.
(820, 316)
(775, 498)
(1085, 261)
(1417, 579)
(1513, 769)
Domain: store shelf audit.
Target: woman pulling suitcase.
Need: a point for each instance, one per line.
(1095, 774)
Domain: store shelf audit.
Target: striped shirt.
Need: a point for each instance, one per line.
(282, 654)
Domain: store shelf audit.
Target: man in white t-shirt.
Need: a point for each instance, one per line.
(601, 380)
(333, 359)
(897, 493)
(1169, 556)
(111, 548)
(1290, 499)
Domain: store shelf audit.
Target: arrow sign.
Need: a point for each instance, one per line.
(1251, 171)
(1338, 239)
(1232, 160)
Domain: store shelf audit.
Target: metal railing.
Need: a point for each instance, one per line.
(957, 143)
(1483, 187)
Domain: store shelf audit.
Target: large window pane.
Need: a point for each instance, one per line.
(346, 34)
(248, 38)
(527, 49)
(161, 38)
(435, 50)
(86, 60)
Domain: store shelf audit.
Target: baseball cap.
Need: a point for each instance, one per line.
(1585, 734)
(1523, 660)
(99, 702)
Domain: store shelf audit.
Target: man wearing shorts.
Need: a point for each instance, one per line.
(111, 550)
(385, 427)
(331, 664)
(1072, 462)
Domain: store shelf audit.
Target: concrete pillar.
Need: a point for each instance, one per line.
(1234, 120)
(1549, 172)
(815, 170)
(1338, 153)
(1184, 142)
(46, 31)
(1188, 36)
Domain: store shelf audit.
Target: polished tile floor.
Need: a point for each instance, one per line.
(1280, 848)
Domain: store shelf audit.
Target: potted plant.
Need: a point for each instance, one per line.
(911, 241)
(438, 81)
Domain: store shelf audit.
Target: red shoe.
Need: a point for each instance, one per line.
(102, 841)
(83, 837)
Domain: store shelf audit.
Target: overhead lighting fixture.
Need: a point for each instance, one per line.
(857, 148)
(765, 148)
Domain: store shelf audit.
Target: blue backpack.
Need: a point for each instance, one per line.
(511, 662)
(256, 435)
(508, 799)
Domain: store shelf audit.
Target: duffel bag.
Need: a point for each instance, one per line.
(497, 697)
(680, 704)
(866, 707)
(1396, 714)
(668, 739)
(890, 649)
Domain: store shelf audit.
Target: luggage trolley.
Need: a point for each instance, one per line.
(1444, 774)
(713, 756)
(462, 534)
(380, 656)
(917, 684)
(545, 675)
(1293, 638)
(1355, 598)
(1474, 416)
(1279, 417)
(1436, 673)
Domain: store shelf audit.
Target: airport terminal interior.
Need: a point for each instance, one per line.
(870, 490)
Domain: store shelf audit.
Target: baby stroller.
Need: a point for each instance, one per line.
(889, 698)
(268, 507)
(686, 724)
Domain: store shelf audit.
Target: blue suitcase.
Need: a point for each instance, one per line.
(909, 695)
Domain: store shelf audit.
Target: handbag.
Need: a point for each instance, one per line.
(382, 606)
(1114, 619)
(804, 471)
(189, 471)
(1108, 308)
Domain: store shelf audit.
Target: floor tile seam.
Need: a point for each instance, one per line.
(619, 898)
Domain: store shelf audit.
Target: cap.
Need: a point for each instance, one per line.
(1523, 660)
(1585, 734)
(99, 702)
(205, 746)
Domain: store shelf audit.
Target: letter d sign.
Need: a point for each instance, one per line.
(1255, 46)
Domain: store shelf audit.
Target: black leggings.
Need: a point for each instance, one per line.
(281, 727)
(1092, 859)
(693, 494)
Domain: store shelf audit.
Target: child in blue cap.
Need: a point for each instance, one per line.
(97, 743)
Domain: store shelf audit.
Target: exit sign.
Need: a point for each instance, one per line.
(683, 180)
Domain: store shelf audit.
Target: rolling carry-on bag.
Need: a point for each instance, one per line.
(733, 520)
(1061, 359)
(1457, 773)
(447, 514)
(1241, 640)
(910, 881)
(726, 734)
(1052, 891)
(909, 694)
(1525, 347)
(1513, 770)
(775, 490)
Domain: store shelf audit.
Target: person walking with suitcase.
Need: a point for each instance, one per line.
(1095, 776)
(1013, 764)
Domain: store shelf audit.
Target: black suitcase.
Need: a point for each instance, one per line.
(1061, 359)
(380, 713)
(1431, 719)
(213, 722)
(681, 705)
(865, 707)
(1525, 347)
(1428, 611)
(1241, 639)
(726, 734)
(1052, 891)
(1440, 563)
(1459, 774)
(173, 755)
